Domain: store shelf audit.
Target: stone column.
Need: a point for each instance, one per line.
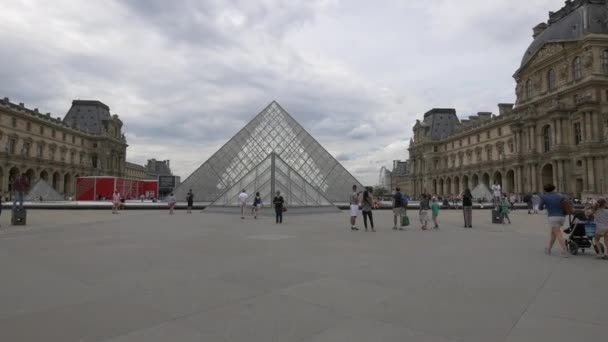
(4, 180)
(555, 133)
(532, 138)
(535, 177)
(591, 172)
(562, 175)
(588, 128)
(596, 126)
(516, 180)
(585, 174)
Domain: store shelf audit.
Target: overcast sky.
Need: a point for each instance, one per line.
(185, 76)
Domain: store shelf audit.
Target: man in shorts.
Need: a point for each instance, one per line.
(398, 209)
(354, 208)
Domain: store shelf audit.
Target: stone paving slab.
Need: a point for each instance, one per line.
(150, 276)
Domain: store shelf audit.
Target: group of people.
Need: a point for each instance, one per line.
(428, 210)
(364, 202)
(278, 203)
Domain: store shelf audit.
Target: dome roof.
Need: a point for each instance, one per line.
(573, 22)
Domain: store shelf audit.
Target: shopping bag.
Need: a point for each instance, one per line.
(405, 221)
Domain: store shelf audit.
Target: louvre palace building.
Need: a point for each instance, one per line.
(556, 132)
(88, 141)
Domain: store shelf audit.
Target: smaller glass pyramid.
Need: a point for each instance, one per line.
(270, 176)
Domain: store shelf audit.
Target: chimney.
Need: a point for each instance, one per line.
(538, 29)
(484, 115)
(505, 108)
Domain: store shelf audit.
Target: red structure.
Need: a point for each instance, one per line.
(96, 188)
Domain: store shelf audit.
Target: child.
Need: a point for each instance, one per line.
(435, 211)
(171, 200)
(504, 210)
(600, 216)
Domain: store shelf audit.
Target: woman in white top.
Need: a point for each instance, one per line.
(115, 202)
(171, 200)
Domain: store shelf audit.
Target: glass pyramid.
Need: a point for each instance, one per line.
(304, 172)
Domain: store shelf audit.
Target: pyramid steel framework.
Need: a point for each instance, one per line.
(272, 152)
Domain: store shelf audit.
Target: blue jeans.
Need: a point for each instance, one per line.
(18, 197)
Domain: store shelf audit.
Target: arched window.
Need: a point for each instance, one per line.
(578, 69)
(605, 61)
(547, 138)
(551, 79)
(529, 89)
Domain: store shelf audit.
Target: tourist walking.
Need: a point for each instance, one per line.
(504, 210)
(423, 212)
(552, 201)
(190, 200)
(601, 228)
(171, 200)
(279, 207)
(367, 204)
(257, 204)
(354, 208)
(435, 212)
(536, 200)
(243, 202)
(21, 185)
(467, 208)
(115, 201)
(398, 209)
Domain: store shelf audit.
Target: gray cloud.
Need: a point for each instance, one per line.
(186, 75)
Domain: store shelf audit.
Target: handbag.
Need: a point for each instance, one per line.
(284, 209)
(566, 206)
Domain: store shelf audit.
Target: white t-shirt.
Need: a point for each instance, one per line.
(243, 197)
(496, 189)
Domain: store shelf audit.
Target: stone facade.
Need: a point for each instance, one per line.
(135, 171)
(56, 150)
(557, 131)
(400, 176)
(151, 170)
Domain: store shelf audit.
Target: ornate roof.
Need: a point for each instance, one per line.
(574, 21)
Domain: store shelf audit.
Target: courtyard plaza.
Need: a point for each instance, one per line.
(145, 275)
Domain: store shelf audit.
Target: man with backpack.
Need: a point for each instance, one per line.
(398, 209)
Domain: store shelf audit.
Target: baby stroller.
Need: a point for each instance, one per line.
(581, 230)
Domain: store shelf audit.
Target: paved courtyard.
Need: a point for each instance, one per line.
(148, 276)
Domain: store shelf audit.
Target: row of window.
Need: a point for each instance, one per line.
(41, 129)
(478, 156)
(27, 147)
(478, 139)
(577, 73)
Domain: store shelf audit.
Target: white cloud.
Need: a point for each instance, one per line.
(186, 75)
